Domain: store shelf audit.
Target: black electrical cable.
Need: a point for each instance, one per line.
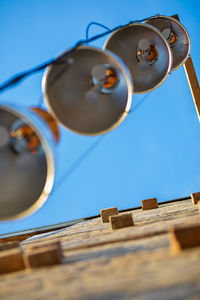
(139, 103)
(94, 23)
(86, 153)
(78, 162)
(169, 22)
(40, 101)
(19, 77)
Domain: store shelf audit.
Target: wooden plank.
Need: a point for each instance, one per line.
(130, 269)
(192, 79)
(193, 83)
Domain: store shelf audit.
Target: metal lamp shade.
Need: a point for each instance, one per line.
(68, 84)
(181, 47)
(124, 42)
(26, 177)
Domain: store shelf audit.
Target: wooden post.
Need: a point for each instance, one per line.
(192, 80)
(193, 83)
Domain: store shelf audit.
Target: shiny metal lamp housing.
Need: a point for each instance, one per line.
(125, 42)
(77, 96)
(26, 174)
(177, 37)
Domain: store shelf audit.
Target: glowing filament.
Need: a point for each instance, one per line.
(25, 133)
(110, 79)
(149, 54)
(173, 38)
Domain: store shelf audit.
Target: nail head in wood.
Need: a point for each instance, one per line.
(184, 237)
(149, 203)
(107, 212)
(195, 197)
(42, 256)
(11, 261)
(121, 221)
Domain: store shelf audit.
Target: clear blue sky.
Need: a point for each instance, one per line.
(155, 152)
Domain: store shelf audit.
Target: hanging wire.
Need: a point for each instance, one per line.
(69, 171)
(170, 25)
(139, 103)
(94, 23)
(40, 101)
(77, 163)
(20, 76)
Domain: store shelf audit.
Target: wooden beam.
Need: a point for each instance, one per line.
(193, 83)
(192, 80)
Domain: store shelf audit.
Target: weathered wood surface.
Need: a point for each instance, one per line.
(193, 83)
(147, 223)
(130, 263)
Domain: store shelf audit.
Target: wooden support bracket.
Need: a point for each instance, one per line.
(195, 198)
(11, 261)
(42, 256)
(184, 237)
(149, 204)
(121, 221)
(107, 212)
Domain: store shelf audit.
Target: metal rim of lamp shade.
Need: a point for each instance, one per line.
(82, 103)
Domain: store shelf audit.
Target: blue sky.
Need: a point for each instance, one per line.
(154, 152)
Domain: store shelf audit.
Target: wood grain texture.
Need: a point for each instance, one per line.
(11, 261)
(121, 221)
(192, 79)
(42, 256)
(100, 264)
(184, 237)
(149, 203)
(9, 245)
(193, 83)
(195, 198)
(107, 212)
